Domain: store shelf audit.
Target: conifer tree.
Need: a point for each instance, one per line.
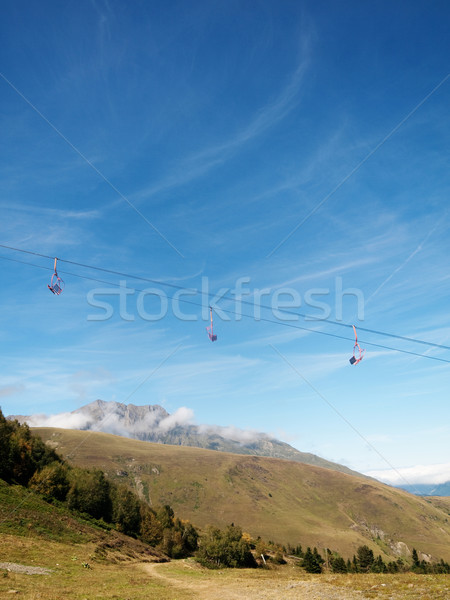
(365, 558)
(378, 566)
(311, 562)
(338, 565)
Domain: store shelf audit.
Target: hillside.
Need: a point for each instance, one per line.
(277, 499)
(152, 423)
(25, 514)
(442, 502)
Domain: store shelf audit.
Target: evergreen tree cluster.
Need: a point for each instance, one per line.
(364, 561)
(422, 567)
(21, 452)
(295, 550)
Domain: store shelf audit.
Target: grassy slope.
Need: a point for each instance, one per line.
(34, 533)
(276, 499)
(442, 502)
(24, 514)
(68, 579)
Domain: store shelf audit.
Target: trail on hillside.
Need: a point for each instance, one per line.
(246, 587)
(16, 568)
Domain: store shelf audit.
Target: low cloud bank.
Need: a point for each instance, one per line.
(418, 474)
(113, 421)
(62, 420)
(181, 417)
(155, 421)
(242, 436)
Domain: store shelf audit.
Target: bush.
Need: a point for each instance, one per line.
(52, 482)
(180, 540)
(126, 512)
(278, 558)
(90, 493)
(151, 530)
(226, 548)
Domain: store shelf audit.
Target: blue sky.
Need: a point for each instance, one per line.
(300, 148)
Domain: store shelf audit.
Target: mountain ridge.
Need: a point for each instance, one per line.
(152, 423)
(427, 489)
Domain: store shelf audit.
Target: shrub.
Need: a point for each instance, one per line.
(126, 512)
(52, 482)
(226, 548)
(180, 540)
(90, 493)
(151, 530)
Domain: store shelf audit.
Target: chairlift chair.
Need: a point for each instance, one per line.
(56, 284)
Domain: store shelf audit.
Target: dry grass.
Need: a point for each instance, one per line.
(279, 500)
(69, 579)
(290, 582)
(186, 580)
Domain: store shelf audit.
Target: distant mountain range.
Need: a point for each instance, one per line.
(152, 423)
(428, 489)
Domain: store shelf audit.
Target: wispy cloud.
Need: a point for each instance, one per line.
(266, 117)
(340, 268)
(46, 211)
(45, 229)
(359, 165)
(89, 162)
(10, 390)
(416, 250)
(83, 382)
(199, 163)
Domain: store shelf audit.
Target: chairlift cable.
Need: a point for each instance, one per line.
(224, 297)
(234, 313)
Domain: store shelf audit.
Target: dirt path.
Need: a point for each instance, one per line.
(15, 568)
(244, 586)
